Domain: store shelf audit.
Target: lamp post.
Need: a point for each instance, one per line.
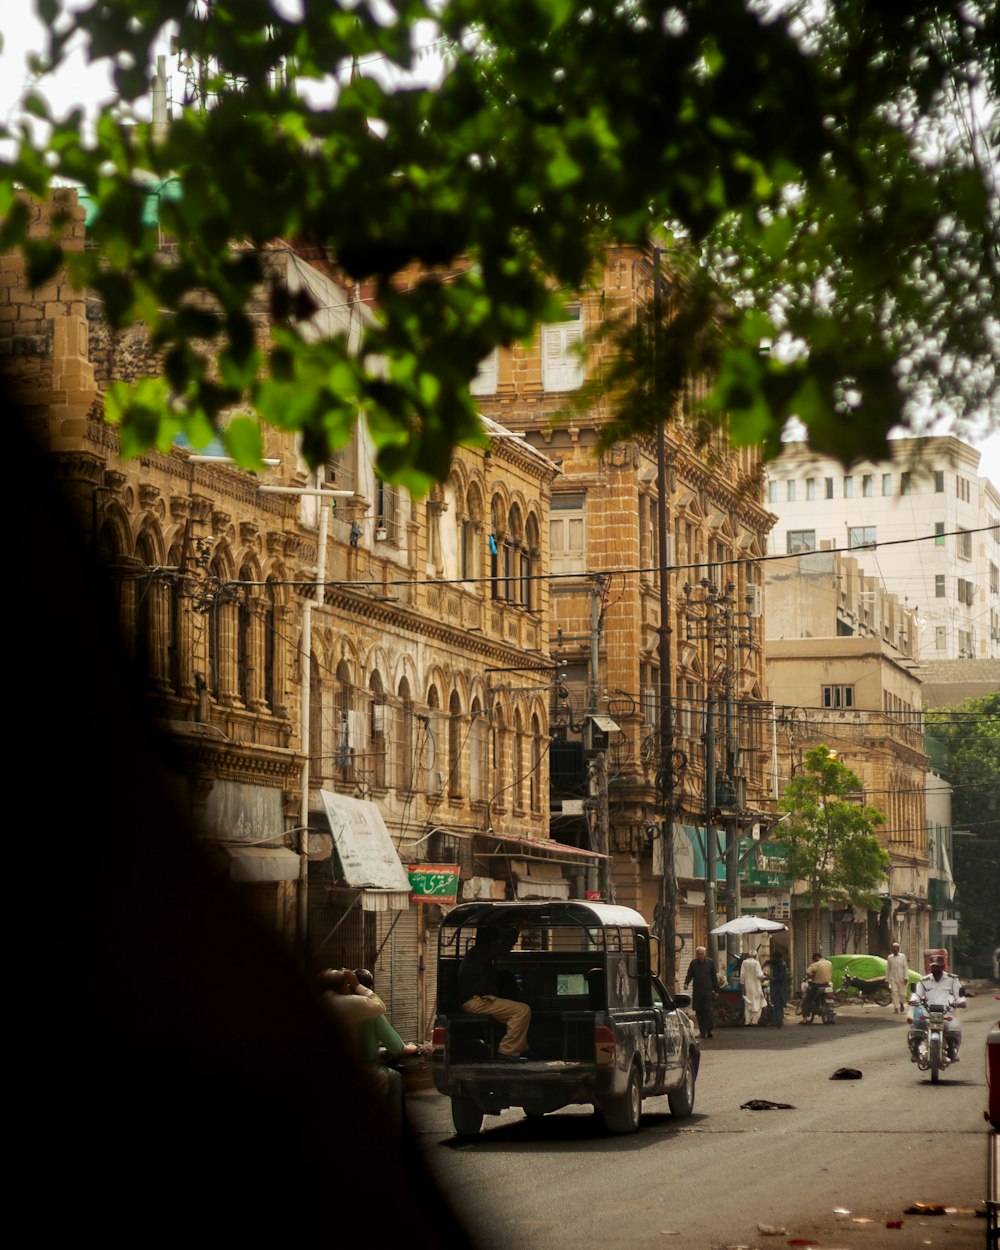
(302, 901)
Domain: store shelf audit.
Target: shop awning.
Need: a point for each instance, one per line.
(538, 880)
(367, 856)
(604, 723)
(541, 844)
(262, 864)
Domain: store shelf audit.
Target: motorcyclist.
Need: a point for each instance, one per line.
(820, 974)
(945, 989)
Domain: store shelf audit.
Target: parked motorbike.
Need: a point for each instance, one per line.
(875, 990)
(820, 1002)
(934, 1036)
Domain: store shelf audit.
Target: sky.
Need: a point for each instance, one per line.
(80, 83)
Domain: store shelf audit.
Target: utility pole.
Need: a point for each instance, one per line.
(302, 898)
(718, 627)
(665, 773)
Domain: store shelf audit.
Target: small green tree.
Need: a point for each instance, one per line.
(971, 734)
(830, 835)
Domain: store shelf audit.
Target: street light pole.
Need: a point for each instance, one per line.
(668, 881)
(302, 900)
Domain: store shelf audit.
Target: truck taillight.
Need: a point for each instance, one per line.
(604, 1046)
(439, 1037)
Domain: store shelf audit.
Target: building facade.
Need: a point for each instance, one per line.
(347, 685)
(609, 764)
(925, 523)
(841, 670)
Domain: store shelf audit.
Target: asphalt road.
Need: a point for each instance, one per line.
(850, 1156)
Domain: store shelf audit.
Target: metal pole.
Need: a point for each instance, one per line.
(711, 845)
(302, 901)
(668, 881)
(732, 822)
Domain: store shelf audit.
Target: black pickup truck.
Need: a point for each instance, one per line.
(603, 1027)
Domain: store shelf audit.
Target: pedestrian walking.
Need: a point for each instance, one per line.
(704, 981)
(897, 974)
(777, 969)
(752, 981)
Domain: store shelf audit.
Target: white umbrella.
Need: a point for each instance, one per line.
(749, 924)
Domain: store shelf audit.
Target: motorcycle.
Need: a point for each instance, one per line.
(820, 1003)
(934, 1036)
(875, 990)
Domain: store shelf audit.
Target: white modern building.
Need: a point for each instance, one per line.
(924, 523)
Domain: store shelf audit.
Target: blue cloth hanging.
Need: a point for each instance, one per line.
(493, 545)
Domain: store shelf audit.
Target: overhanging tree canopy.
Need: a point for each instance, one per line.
(808, 163)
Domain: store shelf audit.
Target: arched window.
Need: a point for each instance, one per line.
(404, 762)
(174, 626)
(454, 746)
(470, 524)
(530, 558)
(146, 641)
(518, 761)
(498, 795)
(512, 556)
(434, 782)
(318, 754)
(497, 589)
(216, 631)
(477, 753)
(270, 641)
(345, 727)
(536, 765)
(376, 730)
(245, 639)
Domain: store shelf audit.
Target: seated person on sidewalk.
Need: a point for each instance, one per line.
(477, 988)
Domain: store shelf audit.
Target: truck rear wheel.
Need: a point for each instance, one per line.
(622, 1114)
(466, 1115)
(681, 1099)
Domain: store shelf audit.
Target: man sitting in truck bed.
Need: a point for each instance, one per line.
(477, 987)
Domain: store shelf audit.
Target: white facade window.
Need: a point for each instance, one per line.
(486, 380)
(861, 536)
(810, 488)
(848, 487)
(965, 544)
(828, 485)
(939, 533)
(791, 491)
(866, 485)
(772, 492)
(562, 352)
(940, 638)
(886, 483)
(568, 533)
(939, 586)
(801, 540)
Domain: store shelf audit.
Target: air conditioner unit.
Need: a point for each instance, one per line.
(381, 534)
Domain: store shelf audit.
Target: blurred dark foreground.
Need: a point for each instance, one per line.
(177, 1081)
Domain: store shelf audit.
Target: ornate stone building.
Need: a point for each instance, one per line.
(605, 606)
(346, 685)
(842, 665)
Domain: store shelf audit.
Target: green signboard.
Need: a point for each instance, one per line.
(769, 868)
(434, 883)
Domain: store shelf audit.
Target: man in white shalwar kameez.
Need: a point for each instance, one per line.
(751, 978)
